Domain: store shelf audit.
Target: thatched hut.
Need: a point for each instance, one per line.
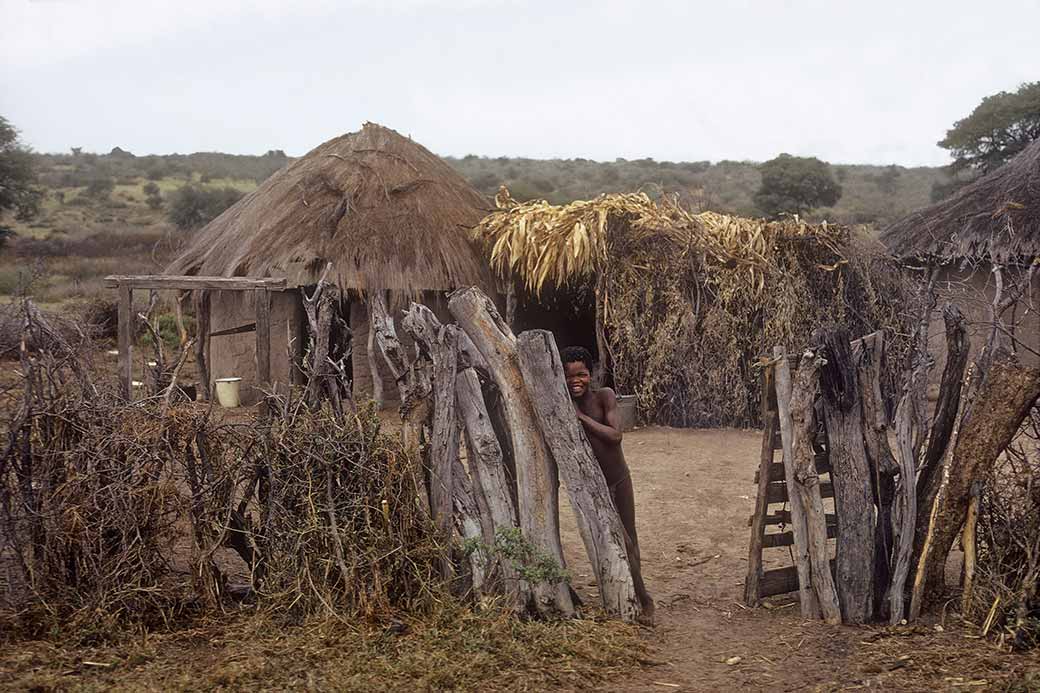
(681, 305)
(381, 210)
(991, 222)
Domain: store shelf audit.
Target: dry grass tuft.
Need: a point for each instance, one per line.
(452, 648)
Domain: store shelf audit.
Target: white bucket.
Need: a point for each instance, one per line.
(227, 392)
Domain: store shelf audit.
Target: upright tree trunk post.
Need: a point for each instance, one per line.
(263, 345)
(598, 521)
(487, 466)
(1005, 396)
(536, 471)
(810, 604)
(126, 340)
(804, 482)
(868, 354)
(375, 296)
(850, 472)
(202, 316)
(906, 503)
(441, 345)
(758, 520)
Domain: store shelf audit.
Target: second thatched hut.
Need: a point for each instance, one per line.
(681, 306)
(380, 211)
(990, 224)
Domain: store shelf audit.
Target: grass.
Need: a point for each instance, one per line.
(454, 648)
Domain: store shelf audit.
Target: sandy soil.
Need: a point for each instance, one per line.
(694, 494)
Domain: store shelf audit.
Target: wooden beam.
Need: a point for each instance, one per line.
(783, 517)
(163, 281)
(776, 470)
(126, 338)
(782, 580)
(777, 492)
(263, 338)
(775, 539)
(201, 300)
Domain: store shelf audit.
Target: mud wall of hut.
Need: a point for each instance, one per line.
(234, 356)
(973, 291)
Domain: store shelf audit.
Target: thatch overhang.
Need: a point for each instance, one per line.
(385, 211)
(546, 245)
(995, 218)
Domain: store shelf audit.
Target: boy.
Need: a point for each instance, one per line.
(598, 413)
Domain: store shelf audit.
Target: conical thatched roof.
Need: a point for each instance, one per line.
(995, 217)
(385, 211)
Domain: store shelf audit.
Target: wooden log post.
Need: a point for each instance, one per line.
(804, 482)
(126, 342)
(413, 377)
(1005, 396)
(944, 420)
(598, 521)
(468, 525)
(263, 345)
(375, 297)
(202, 318)
(487, 467)
(536, 472)
(810, 604)
(905, 506)
(868, 354)
(850, 471)
(752, 584)
(440, 344)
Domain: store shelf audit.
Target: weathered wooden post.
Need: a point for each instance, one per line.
(854, 501)
(536, 472)
(810, 604)
(201, 300)
(441, 345)
(126, 341)
(806, 483)
(598, 520)
(263, 346)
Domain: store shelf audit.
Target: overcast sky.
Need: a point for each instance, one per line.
(850, 82)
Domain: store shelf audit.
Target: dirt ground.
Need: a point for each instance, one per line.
(694, 494)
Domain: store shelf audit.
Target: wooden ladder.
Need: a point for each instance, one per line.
(772, 491)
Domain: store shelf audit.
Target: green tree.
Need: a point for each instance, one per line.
(999, 128)
(19, 192)
(192, 206)
(794, 185)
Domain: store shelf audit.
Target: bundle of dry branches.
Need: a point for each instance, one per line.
(114, 512)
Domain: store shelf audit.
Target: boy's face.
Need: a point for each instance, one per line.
(578, 378)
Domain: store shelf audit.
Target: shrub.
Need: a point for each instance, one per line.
(193, 206)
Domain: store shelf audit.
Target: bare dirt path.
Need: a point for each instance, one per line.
(694, 494)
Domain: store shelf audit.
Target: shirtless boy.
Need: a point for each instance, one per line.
(598, 413)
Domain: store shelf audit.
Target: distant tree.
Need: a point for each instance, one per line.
(19, 191)
(794, 185)
(999, 128)
(76, 151)
(191, 206)
(100, 187)
(152, 195)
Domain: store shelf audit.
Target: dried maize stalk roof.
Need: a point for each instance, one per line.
(547, 245)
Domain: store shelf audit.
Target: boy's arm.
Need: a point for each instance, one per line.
(610, 432)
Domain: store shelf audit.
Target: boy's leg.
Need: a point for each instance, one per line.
(624, 501)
